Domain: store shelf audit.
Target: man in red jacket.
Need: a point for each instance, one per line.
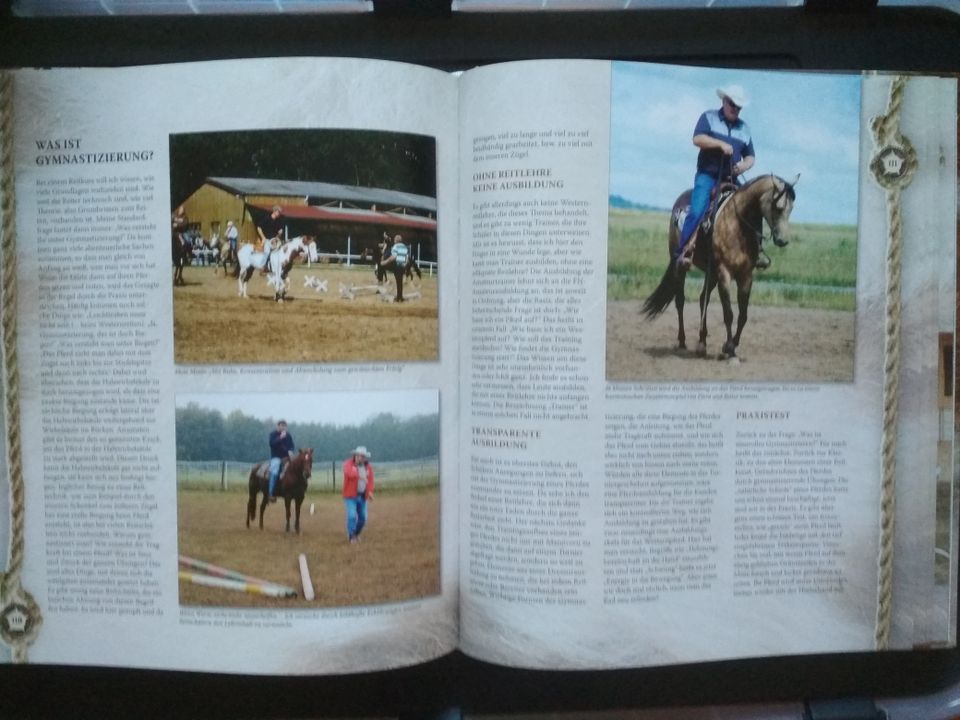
(357, 491)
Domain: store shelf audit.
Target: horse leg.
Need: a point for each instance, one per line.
(299, 502)
(286, 503)
(678, 301)
(243, 279)
(263, 505)
(723, 289)
(708, 284)
(743, 300)
(252, 507)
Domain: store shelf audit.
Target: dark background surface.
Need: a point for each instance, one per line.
(787, 38)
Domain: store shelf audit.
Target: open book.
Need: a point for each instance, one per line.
(457, 293)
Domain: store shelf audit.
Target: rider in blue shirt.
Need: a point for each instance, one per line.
(726, 152)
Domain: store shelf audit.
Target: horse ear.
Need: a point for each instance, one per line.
(795, 180)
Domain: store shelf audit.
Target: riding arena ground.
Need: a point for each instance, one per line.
(398, 558)
(213, 325)
(784, 344)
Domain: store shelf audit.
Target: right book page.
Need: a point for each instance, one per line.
(653, 479)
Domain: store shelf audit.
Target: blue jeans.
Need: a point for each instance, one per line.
(274, 474)
(356, 515)
(703, 185)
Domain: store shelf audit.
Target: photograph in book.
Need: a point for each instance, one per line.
(355, 514)
(771, 168)
(293, 246)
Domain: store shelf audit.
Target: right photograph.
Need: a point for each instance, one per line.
(732, 244)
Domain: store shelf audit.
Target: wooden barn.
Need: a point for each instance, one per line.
(344, 219)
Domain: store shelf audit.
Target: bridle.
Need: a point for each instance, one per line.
(758, 232)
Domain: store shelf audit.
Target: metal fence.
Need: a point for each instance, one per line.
(232, 476)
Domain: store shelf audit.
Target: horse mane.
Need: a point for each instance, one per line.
(791, 193)
(300, 458)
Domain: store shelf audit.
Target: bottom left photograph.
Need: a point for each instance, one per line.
(308, 499)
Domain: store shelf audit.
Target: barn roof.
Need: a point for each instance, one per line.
(320, 191)
(352, 215)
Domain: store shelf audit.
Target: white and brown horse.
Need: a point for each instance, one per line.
(278, 262)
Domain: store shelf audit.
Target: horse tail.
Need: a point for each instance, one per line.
(664, 294)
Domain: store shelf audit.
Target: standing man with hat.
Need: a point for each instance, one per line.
(726, 152)
(357, 491)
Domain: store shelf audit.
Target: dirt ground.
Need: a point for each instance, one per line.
(777, 345)
(398, 558)
(213, 325)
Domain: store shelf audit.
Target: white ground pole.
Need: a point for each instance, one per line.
(305, 578)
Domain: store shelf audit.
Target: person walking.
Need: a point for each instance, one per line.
(357, 491)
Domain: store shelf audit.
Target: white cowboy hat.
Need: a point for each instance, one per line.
(361, 450)
(737, 95)
(229, 223)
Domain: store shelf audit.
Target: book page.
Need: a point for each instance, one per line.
(641, 492)
(229, 290)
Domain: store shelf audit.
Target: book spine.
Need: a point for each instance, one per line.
(893, 165)
(20, 617)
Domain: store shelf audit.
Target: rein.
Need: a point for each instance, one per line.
(758, 232)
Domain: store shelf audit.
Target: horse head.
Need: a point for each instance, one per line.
(306, 457)
(776, 205)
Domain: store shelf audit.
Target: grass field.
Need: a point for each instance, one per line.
(398, 558)
(817, 270)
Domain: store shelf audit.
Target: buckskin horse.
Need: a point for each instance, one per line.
(727, 254)
(291, 485)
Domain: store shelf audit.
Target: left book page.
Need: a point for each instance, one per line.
(207, 308)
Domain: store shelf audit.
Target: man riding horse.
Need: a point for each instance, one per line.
(281, 449)
(726, 152)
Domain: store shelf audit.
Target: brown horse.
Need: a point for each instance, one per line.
(727, 254)
(180, 251)
(291, 485)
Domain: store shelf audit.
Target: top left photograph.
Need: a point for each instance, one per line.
(304, 246)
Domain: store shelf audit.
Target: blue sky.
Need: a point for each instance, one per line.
(801, 123)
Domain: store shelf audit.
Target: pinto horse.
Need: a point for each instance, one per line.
(291, 485)
(279, 262)
(728, 254)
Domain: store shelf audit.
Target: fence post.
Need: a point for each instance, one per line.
(333, 476)
(223, 475)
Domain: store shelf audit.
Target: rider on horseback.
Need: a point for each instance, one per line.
(726, 151)
(281, 448)
(270, 231)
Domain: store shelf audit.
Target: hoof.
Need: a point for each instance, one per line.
(702, 349)
(733, 360)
